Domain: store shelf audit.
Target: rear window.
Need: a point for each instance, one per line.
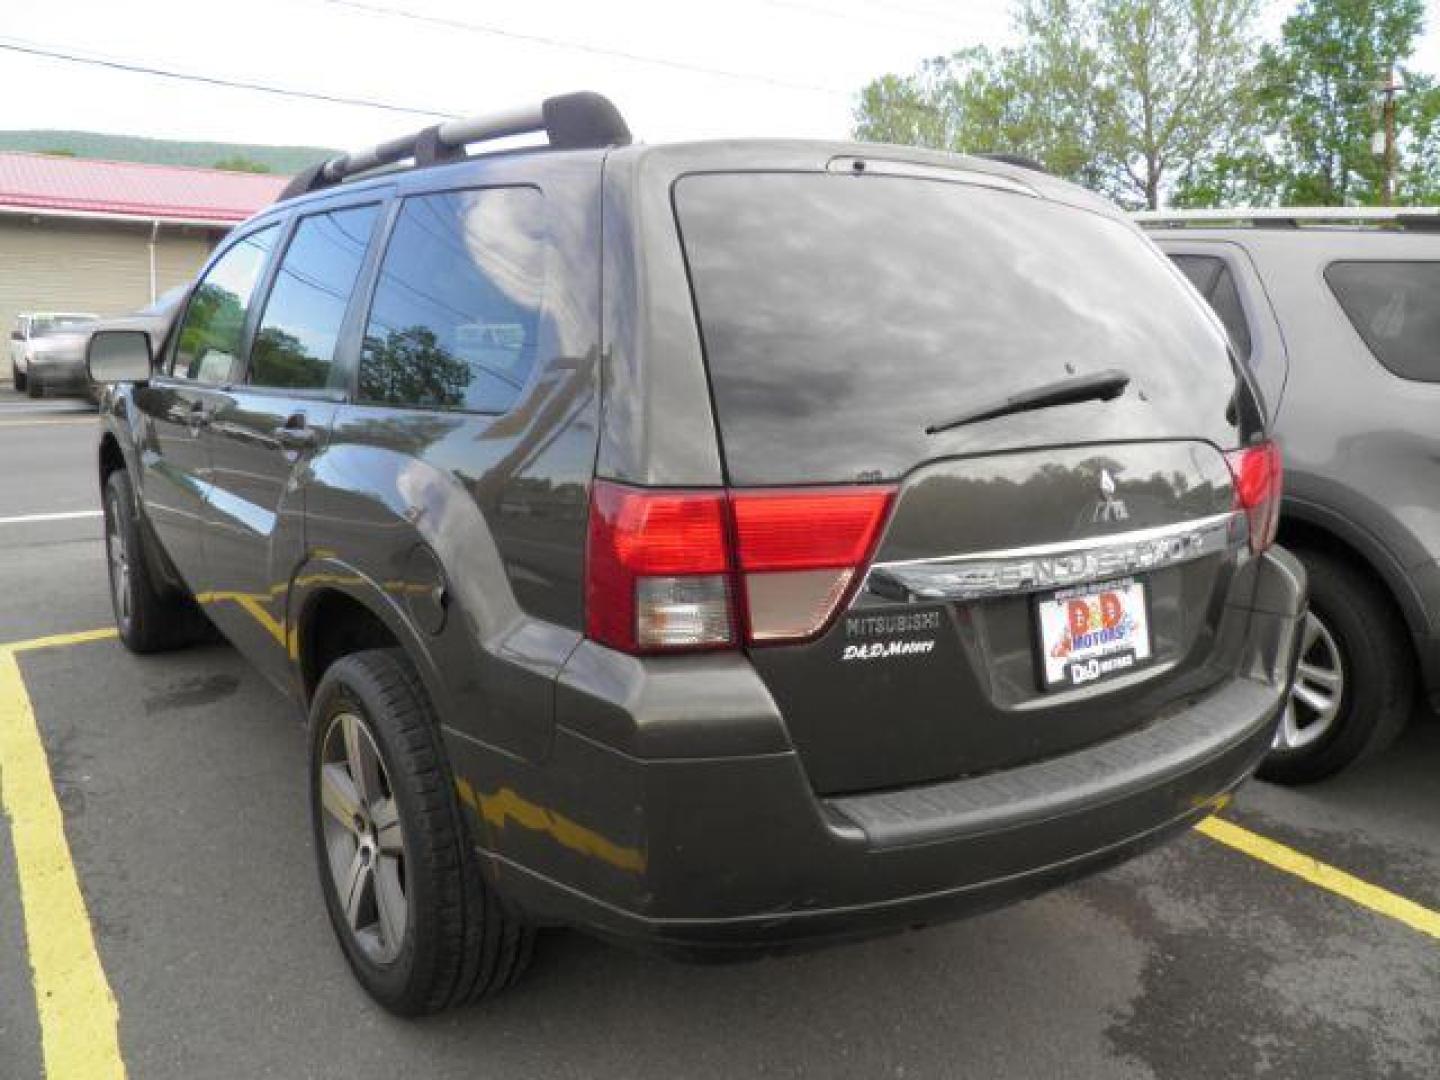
(841, 315)
(1395, 308)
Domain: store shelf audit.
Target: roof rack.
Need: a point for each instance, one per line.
(1419, 219)
(1005, 157)
(570, 121)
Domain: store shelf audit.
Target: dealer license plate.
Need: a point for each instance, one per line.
(1093, 633)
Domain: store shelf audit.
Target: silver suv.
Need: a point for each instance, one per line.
(1338, 313)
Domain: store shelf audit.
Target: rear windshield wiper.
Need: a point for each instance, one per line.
(1098, 386)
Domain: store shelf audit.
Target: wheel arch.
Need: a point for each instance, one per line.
(335, 611)
(111, 457)
(1307, 527)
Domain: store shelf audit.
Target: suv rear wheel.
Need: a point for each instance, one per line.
(1355, 683)
(34, 387)
(418, 925)
(17, 377)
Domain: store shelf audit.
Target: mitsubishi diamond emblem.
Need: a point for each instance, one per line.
(1109, 508)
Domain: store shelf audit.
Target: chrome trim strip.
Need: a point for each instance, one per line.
(1054, 566)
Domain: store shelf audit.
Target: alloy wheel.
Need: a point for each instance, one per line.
(364, 840)
(1318, 690)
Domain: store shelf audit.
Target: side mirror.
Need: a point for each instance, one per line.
(116, 356)
(17, 335)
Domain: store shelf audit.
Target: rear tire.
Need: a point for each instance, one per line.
(148, 617)
(1355, 648)
(419, 926)
(17, 377)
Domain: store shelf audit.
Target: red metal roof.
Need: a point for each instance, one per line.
(169, 192)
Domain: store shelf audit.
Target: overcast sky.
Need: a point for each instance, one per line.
(769, 67)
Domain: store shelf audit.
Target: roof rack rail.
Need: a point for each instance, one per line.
(570, 121)
(1417, 218)
(1005, 157)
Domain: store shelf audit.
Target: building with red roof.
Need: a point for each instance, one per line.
(109, 236)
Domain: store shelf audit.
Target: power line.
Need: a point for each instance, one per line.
(32, 49)
(578, 46)
(18, 45)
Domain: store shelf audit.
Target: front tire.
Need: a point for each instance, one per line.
(1355, 684)
(149, 618)
(419, 927)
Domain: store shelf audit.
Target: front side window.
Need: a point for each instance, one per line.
(295, 344)
(1395, 308)
(456, 315)
(208, 344)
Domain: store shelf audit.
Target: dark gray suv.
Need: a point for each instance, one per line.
(721, 547)
(1338, 313)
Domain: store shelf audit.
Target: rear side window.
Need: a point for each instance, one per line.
(295, 345)
(1395, 308)
(1211, 276)
(209, 339)
(456, 315)
(841, 315)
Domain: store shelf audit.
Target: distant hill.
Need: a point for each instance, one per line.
(281, 160)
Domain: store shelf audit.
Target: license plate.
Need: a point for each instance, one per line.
(1093, 633)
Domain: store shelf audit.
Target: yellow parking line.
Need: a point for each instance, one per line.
(1323, 876)
(78, 1016)
(82, 637)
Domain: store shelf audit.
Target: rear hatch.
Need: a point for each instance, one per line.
(1045, 578)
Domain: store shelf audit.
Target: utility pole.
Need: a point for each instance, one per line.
(1387, 182)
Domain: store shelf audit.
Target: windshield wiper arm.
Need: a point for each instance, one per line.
(1099, 386)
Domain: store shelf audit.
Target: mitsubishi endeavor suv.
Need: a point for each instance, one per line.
(721, 547)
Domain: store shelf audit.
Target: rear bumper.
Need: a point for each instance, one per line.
(712, 855)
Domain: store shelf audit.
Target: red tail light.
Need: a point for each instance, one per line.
(677, 570)
(1257, 472)
(657, 572)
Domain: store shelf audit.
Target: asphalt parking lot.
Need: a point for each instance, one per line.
(180, 788)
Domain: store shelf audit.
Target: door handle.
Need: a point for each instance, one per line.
(295, 434)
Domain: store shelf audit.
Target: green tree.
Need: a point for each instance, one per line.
(283, 360)
(411, 367)
(1419, 179)
(1123, 95)
(1318, 94)
(240, 163)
